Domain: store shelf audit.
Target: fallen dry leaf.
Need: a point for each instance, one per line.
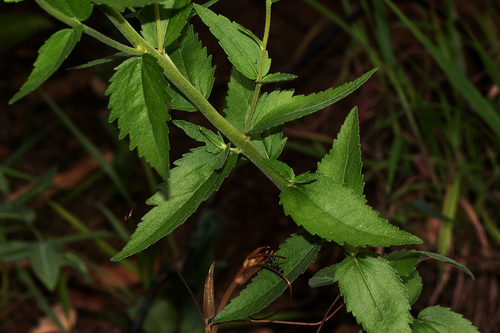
(45, 324)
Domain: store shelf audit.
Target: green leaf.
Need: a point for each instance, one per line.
(50, 56)
(280, 107)
(44, 259)
(138, 97)
(121, 4)
(239, 99)
(270, 142)
(77, 9)
(343, 163)
(173, 17)
(16, 211)
(277, 77)
(324, 277)
(326, 208)
(241, 45)
(192, 61)
(282, 168)
(200, 134)
(373, 292)
(11, 251)
(300, 250)
(413, 283)
(403, 261)
(195, 180)
(404, 258)
(102, 61)
(437, 319)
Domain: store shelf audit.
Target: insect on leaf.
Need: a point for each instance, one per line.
(343, 163)
(300, 250)
(374, 293)
(138, 97)
(50, 56)
(326, 208)
(241, 45)
(195, 179)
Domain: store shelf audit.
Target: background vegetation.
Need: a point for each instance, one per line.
(430, 140)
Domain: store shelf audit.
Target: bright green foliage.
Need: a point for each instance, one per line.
(277, 77)
(214, 142)
(282, 168)
(413, 283)
(78, 9)
(438, 319)
(278, 107)
(374, 294)
(300, 250)
(173, 17)
(191, 60)
(343, 162)
(241, 45)
(239, 99)
(50, 56)
(329, 210)
(270, 142)
(324, 277)
(121, 4)
(195, 179)
(45, 262)
(138, 97)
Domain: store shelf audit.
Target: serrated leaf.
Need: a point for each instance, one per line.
(323, 277)
(280, 167)
(413, 283)
(77, 9)
(50, 56)
(373, 292)
(195, 179)
(44, 259)
(343, 163)
(192, 61)
(122, 4)
(300, 250)
(277, 77)
(138, 97)
(280, 109)
(241, 45)
(402, 260)
(326, 208)
(304, 178)
(438, 319)
(102, 61)
(239, 99)
(173, 17)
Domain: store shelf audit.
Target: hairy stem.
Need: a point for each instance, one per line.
(88, 30)
(174, 76)
(263, 48)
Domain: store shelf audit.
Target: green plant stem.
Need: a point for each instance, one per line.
(158, 28)
(88, 30)
(174, 76)
(258, 85)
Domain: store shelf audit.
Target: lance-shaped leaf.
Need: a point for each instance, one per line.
(50, 56)
(195, 179)
(192, 61)
(343, 163)
(173, 17)
(45, 261)
(437, 319)
(241, 45)
(239, 99)
(300, 250)
(138, 97)
(373, 292)
(326, 208)
(122, 4)
(278, 109)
